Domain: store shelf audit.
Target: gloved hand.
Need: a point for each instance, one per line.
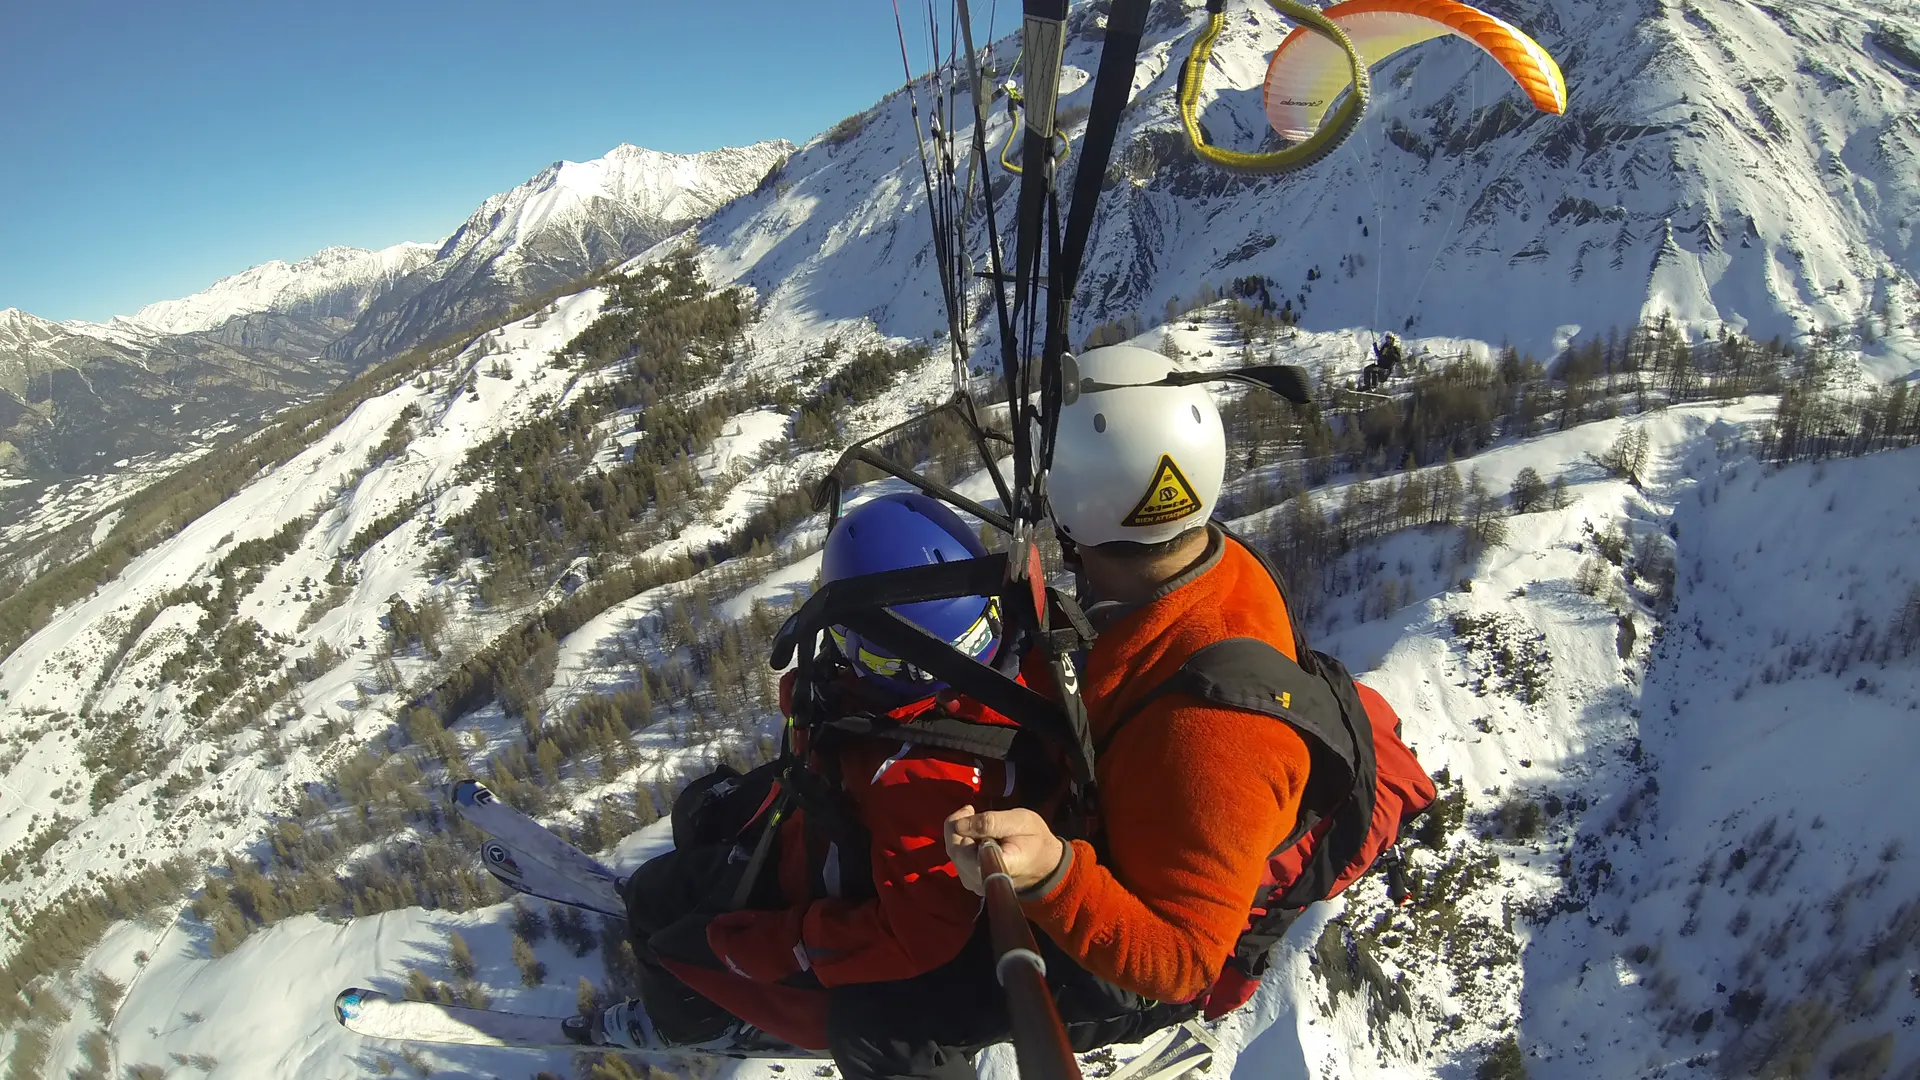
(763, 946)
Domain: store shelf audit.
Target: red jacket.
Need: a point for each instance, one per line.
(912, 916)
(920, 915)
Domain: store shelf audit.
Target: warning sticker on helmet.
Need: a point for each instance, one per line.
(1168, 498)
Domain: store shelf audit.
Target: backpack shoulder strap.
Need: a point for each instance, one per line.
(946, 732)
(1353, 794)
(1301, 648)
(1251, 675)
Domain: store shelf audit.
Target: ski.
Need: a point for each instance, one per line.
(378, 1016)
(1172, 1054)
(529, 838)
(1175, 1053)
(529, 876)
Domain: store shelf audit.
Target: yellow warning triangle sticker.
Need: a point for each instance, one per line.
(1169, 497)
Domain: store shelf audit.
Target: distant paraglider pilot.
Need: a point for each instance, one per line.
(1386, 355)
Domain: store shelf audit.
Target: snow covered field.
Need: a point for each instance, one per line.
(1634, 741)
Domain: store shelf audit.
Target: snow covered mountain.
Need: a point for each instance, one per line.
(1727, 163)
(334, 284)
(571, 219)
(77, 397)
(1669, 713)
(281, 331)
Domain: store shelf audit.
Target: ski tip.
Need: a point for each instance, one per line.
(347, 1004)
(471, 793)
(499, 861)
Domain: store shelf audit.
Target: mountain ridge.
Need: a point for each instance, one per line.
(278, 332)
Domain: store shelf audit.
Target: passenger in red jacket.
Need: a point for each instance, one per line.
(859, 888)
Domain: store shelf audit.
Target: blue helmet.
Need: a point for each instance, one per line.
(893, 532)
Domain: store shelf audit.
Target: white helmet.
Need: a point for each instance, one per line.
(1139, 463)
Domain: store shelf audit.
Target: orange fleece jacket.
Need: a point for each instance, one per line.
(1194, 797)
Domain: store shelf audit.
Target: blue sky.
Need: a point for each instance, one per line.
(151, 149)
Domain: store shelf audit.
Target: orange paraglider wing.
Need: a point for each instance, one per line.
(1308, 71)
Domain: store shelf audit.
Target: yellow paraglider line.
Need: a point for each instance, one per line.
(1014, 102)
(1302, 154)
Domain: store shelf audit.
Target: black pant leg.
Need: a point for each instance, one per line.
(929, 1027)
(1096, 1012)
(674, 885)
(680, 1014)
(924, 1028)
(663, 897)
(1132, 1027)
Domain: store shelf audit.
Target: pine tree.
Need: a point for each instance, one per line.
(532, 971)
(1504, 1062)
(1484, 527)
(548, 755)
(1410, 502)
(1528, 490)
(459, 957)
(1448, 493)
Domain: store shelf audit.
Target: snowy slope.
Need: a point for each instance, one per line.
(1724, 163)
(61, 667)
(1759, 855)
(337, 282)
(571, 219)
(1716, 801)
(668, 188)
(1527, 930)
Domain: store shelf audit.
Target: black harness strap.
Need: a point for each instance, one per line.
(863, 604)
(837, 600)
(1251, 675)
(946, 732)
(976, 680)
(1112, 87)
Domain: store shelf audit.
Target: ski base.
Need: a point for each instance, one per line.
(529, 876)
(1172, 1054)
(379, 1016)
(527, 857)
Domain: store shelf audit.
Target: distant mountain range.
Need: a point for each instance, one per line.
(75, 395)
(1732, 165)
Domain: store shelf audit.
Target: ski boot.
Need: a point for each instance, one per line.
(624, 1024)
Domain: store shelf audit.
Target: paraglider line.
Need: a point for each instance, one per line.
(1473, 99)
(1373, 189)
